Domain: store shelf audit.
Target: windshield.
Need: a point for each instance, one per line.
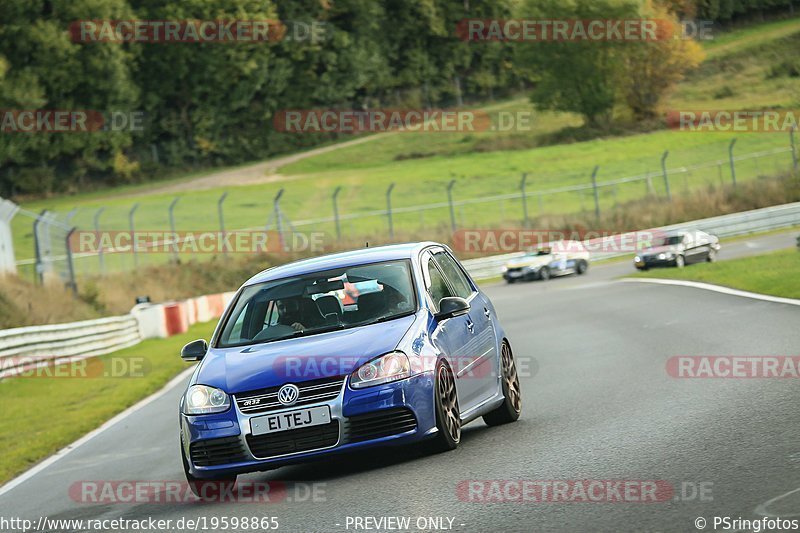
(320, 302)
(670, 241)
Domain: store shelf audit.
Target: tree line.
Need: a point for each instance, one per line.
(183, 105)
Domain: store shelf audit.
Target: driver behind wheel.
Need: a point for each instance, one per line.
(293, 313)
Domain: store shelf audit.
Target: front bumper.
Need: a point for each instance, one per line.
(355, 414)
(514, 275)
(654, 262)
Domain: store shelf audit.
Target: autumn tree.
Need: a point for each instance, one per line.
(652, 68)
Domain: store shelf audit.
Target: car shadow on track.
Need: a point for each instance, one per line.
(356, 462)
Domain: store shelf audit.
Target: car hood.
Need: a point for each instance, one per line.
(336, 353)
(660, 250)
(530, 261)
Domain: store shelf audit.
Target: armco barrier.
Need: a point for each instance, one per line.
(25, 348)
(765, 219)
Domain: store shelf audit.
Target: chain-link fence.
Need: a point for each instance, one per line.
(360, 212)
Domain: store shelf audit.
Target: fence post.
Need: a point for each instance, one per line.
(733, 163)
(794, 148)
(8, 261)
(596, 193)
(132, 227)
(450, 202)
(524, 198)
(38, 267)
(71, 284)
(335, 198)
(666, 175)
(101, 262)
(276, 211)
(172, 228)
(389, 209)
(221, 216)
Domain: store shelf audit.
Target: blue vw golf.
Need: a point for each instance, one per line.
(380, 346)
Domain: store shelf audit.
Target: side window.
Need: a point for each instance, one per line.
(457, 278)
(438, 288)
(236, 331)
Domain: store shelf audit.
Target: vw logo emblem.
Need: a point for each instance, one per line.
(288, 394)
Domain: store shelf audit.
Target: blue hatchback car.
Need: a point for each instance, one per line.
(373, 347)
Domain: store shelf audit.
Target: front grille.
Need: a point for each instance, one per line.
(265, 400)
(214, 452)
(380, 424)
(515, 269)
(294, 440)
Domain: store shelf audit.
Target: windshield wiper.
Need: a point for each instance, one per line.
(384, 318)
(324, 329)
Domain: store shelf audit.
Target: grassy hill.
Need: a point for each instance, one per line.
(751, 68)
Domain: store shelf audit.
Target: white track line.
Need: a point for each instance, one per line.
(89, 436)
(715, 288)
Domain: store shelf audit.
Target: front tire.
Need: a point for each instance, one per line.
(712, 256)
(582, 267)
(448, 414)
(680, 262)
(544, 274)
(511, 407)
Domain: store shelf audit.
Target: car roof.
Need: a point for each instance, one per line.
(341, 259)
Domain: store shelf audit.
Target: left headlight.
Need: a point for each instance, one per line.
(203, 400)
(386, 368)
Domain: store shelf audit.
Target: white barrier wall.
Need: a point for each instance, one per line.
(22, 349)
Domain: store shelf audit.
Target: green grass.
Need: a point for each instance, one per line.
(43, 414)
(744, 39)
(775, 273)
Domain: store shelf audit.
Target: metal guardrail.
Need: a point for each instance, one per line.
(758, 220)
(22, 349)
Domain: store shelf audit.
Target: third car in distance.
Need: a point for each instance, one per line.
(679, 248)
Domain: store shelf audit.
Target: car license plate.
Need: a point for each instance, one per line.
(639, 263)
(285, 421)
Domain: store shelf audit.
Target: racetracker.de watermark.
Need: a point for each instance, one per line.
(733, 366)
(727, 121)
(581, 30)
(110, 492)
(69, 121)
(352, 121)
(303, 368)
(197, 31)
(74, 367)
(567, 241)
(196, 242)
(581, 491)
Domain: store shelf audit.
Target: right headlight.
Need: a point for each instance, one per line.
(204, 400)
(637, 259)
(386, 368)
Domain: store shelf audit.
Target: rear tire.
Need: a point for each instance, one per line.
(511, 407)
(544, 274)
(582, 267)
(448, 414)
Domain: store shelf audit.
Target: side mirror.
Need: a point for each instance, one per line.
(194, 351)
(451, 307)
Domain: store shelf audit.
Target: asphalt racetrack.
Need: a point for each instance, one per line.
(598, 404)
